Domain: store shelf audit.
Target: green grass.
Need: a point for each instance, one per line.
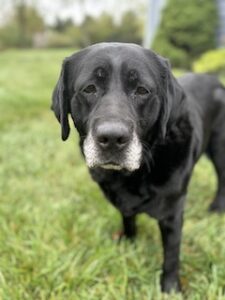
(55, 226)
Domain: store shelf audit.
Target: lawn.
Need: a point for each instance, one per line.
(56, 227)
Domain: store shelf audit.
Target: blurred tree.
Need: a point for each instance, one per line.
(20, 19)
(97, 30)
(65, 34)
(20, 28)
(187, 29)
(130, 29)
(104, 29)
(34, 21)
(62, 25)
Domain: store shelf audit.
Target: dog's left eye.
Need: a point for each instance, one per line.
(141, 91)
(90, 89)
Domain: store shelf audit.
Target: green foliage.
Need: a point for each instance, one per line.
(20, 31)
(9, 36)
(178, 57)
(21, 27)
(187, 29)
(129, 30)
(96, 30)
(62, 25)
(212, 61)
(58, 40)
(55, 225)
(103, 29)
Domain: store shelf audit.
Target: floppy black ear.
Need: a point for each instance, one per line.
(171, 93)
(61, 102)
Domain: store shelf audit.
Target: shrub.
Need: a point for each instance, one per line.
(212, 61)
(58, 40)
(178, 57)
(187, 29)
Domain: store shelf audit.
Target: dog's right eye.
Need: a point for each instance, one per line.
(142, 91)
(90, 89)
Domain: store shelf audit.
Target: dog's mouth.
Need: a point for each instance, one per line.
(128, 159)
(111, 166)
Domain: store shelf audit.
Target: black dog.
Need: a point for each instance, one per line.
(141, 132)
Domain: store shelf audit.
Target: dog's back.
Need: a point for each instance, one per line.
(206, 95)
(206, 89)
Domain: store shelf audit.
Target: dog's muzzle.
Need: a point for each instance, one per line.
(113, 145)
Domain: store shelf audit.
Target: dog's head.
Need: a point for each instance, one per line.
(120, 98)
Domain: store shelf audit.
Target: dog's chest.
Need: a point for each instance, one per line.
(132, 195)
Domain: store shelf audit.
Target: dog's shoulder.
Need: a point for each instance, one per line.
(173, 153)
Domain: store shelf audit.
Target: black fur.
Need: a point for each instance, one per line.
(175, 120)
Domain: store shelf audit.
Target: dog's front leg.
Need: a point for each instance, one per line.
(171, 228)
(129, 227)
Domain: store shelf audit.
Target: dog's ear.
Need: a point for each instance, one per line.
(61, 101)
(171, 93)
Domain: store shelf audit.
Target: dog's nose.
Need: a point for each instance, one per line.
(112, 135)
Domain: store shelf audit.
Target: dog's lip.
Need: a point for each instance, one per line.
(110, 166)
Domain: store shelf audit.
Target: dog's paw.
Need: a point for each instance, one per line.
(170, 284)
(119, 236)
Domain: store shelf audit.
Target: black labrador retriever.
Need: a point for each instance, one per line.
(141, 133)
